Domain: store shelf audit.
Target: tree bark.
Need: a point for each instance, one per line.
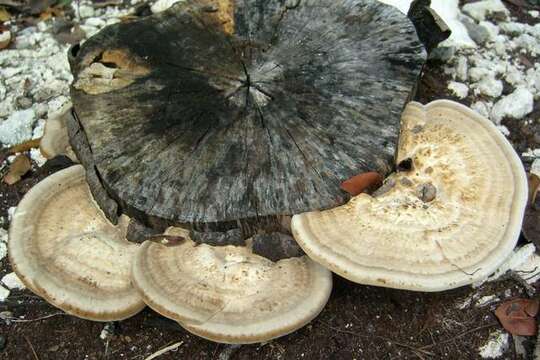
(230, 114)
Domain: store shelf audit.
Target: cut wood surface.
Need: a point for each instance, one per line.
(215, 112)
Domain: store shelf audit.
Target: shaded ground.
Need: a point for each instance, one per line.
(359, 322)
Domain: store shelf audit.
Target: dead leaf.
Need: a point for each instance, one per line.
(17, 169)
(51, 12)
(531, 220)
(4, 15)
(362, 182)
(25, 146)
(518, 316)
(5, 38)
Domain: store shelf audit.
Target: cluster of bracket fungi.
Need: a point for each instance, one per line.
(213, 139)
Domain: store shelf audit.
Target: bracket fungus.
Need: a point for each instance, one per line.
(65, 250)
(240, 112)
(449, 218)
(228, 294)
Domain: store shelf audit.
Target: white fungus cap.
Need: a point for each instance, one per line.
(228, 294)
(450, 220)
(63, 249)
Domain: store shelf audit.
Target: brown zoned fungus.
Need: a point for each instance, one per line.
(450, 220)
(228, 294)
(65, 250)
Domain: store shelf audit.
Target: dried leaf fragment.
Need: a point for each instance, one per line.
(518, 316)
(4, 14)
(362, 182)
(5, 38)
(17, 169)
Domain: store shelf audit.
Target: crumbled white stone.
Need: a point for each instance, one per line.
(489, 86)
(496, 346)
(3, 250)
(4, 293)
(460, 90)
(12, 281)
(462, 68)
(534, 13)
(528, 43)
(162, 5)
(11, 211)
(95, 22)
(18, 127)
(514, 76)
(479, 10)
(492, 30)
(487, 300)
(516, 105)
(523, 261)
(482, 108)
(84, 11)
(5, 36)
(478, 73)
(512, 28)
(37, 157)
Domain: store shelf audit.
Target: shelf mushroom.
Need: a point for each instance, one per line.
(450, 217)
(228, 294)
(65, 250)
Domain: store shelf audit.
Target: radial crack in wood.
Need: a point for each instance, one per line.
(239, 122)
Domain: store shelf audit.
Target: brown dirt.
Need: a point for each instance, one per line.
(359, 322)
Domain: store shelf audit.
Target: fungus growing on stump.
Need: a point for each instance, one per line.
(219, 115)
(64, 249)
(228, 294)
(449, 218)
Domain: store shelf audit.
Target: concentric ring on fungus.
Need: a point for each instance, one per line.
(228, 294)
(450, 220)
(64, 249)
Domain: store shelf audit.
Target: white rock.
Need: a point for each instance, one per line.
(534, 13)
(5, 37)
(482, 108)
(523, 261)
(479, 10)
(12, 281)
(496, 345)
(17, 128)
(84, 11)
(4, 293)
(516, 105)
(11, 211)
(38, 157)
(513, 28)
(95, 22)
(462, 68)
(489, 86)
(492, 29)
(460, 90)
(514, 76)
(487, 300)
(3, 250)
(162, 5)
(478, 73)
(528, 43)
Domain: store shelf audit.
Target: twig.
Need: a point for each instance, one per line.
(32, 320)
(410, 347)
(460, 335)
(164, 350)
(31, 347)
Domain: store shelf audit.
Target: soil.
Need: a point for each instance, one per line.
(359, 322)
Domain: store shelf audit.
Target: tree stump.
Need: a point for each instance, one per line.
(237, 114)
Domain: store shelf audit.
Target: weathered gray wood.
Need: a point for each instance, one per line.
(237, 122)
